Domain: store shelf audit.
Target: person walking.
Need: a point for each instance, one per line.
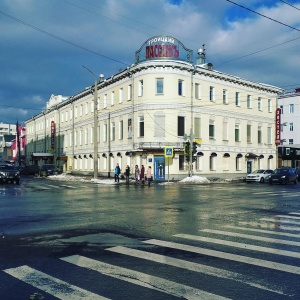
(149, 175)
(117, 173)
(137, 174)
(142, 175)
(127, 174)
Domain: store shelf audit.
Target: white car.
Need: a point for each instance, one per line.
(258, 175)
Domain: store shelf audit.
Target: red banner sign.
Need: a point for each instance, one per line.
(52, 135)
(277, 138)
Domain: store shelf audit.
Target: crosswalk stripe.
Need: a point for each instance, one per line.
(240, 245)
(264, 231)
(288, 217)
(141, 279)
(252, 237)
(51, 285)
(68, 186)
(294, 213)
(280, 221)
(195, 267)
(228, 256)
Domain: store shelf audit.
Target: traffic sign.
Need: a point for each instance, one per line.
(169, 151)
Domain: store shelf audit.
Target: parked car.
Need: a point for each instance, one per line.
(30, 170)
(9, 173)
(283, 176)
(49, 169)
(258, 175)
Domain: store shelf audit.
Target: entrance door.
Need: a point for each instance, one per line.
(249, 166)
(159, 168)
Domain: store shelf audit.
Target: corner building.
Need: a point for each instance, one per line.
(163, 99)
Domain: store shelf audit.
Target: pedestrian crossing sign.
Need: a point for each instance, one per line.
(169, 151)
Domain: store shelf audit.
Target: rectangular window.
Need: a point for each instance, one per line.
(129, 92)
(159, 125)
(180, 126)
(105, 101)
(120, 95)
(86, 136)
(259, 103)
(212, 163)
(62, 117)
(75, 112)
(98, 104)
(225, 130)
(249, 104)
(159, 86)
(180, 88)
(121, 130)
(291, 126)
(112, 100)
(80, 137)
(269, 105)
(269, 136)
(81, 110)
(259, 135)
(237, 99)
(211, 129)
(237, 133)
(281, 109)
(141, 126)
(129, 128)
(225, 97)
(112, 131)
(211, 93)
(181, 162)
(71, 139)
(141, 88)
(66, 116)
(238, 163)
(86, 108)
(71, 114)
(249, 135)
(197, 127)
(197, 91)
(291, 108)
(92, 106)
(291, 141)
(104, 132)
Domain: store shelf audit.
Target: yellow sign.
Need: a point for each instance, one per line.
(198, 141)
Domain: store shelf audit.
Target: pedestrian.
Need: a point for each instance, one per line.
(149, 175)
(136, 174)
(117, 173)
(127, 173)
(142, 175)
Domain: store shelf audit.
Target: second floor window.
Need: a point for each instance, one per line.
(141, 126)
(180, 126)
(211, 93)
(237, 99)
(291, 108)
(211, 129)
(159, 86)
(180, 88)
(291, 126)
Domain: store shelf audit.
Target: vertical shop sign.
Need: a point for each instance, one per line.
(52, 135)
(277, 138)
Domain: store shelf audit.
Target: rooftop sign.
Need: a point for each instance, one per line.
(163, 47)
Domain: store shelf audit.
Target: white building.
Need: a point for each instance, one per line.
(161, 100)
(289, 149)
(6, 130)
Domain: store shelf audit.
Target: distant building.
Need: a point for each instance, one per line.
(289, 149)
(160, 102)
(6, 131)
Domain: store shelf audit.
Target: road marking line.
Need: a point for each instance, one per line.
(54, 186)
(51, 285)
(228, 256)
(240, 245)
(264, 231)
(141, 279)
(195, 267)
(253, 237)
(294, 213)
(288, 217)
(68, 186)
(278, 220)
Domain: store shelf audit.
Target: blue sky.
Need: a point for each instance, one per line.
(45, 43)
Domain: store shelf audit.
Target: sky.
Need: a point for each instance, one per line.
(45, 43)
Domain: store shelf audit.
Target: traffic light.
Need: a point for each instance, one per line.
(187, 150)
(194, 150)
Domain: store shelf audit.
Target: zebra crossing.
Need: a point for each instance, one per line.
(235, 248)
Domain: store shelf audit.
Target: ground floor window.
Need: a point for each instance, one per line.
(199, 163)
(212, 163)
(181, 162)
(238, 163)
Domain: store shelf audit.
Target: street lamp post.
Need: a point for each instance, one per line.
(95, 135)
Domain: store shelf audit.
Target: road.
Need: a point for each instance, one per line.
(80, 240)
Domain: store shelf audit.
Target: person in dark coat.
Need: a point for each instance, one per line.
(127, 174)
(142, 175)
